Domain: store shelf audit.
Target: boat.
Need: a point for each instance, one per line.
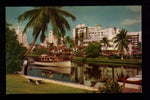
(57, 63)
(132, 80)
(46, 60)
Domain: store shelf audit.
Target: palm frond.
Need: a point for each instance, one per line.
(42, 37)
(28, 14)
(63, 12)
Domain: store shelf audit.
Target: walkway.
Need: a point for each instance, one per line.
(62, 83)
(129, 88)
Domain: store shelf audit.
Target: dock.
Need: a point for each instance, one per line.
(131, 88)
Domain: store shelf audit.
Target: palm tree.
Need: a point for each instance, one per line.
(115, 29)
(76, 39)
(105, 42)
(70, 42)
(40, 17)
(139, 46)
(81, 39)
(122, 41)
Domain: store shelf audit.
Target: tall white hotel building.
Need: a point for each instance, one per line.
(95, 34)
(22, 38)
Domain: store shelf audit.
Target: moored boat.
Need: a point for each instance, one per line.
(58, 63)
(133, 80)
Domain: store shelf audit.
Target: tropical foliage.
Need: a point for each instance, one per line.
(93, 49)
(139, 46)
(105, 42)
(42, 50)
(111, 87)
(81, 39)
(40, 17)
(122, 41)
(69, 41)
(14, 51)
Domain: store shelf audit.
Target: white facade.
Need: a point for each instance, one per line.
(50, 39)
(95, 34)
(135, 38)
(22, 38)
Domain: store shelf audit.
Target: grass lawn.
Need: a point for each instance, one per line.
(16, 84)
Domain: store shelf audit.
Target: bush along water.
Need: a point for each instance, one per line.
(111, 87)
(114, 56)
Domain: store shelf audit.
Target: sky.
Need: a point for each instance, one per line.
(128, 17)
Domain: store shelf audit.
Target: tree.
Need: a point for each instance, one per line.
(105, 42)
(93, 49)
(81, 39)
(40, 17)
(139, 46)
(42, 50)
(111, 87)
(122, 41)
(70, 42)
(76, 39)
(14, 51)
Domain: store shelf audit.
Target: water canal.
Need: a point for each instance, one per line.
(84, 73)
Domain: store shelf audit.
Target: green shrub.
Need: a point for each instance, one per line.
(137, 56)
(93, 50)
(111, 87)
(127, 56)
(114, 56)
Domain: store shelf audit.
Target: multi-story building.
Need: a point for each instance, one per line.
(136, 37)
(95, 34)
(50, 39)
(22, 38)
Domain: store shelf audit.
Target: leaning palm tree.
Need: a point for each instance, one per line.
(105, 42)
(122, 41)
(40, 17)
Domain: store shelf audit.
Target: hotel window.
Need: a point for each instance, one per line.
(101, 33)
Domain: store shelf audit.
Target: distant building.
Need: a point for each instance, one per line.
(95, 34)
(22, 38)
(50, 39)
(136, 37)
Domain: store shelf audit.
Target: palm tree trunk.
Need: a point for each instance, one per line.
(28, 51)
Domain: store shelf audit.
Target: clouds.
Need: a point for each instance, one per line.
(128, 17)
(134, 8)
(128, 21)
(136, 12)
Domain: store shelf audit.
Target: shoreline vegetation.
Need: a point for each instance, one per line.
(105, 61)
(117, 62)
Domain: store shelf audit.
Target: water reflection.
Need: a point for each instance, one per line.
(83, 73)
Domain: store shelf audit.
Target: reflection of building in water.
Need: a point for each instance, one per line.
(87, 74)
(95, 73)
